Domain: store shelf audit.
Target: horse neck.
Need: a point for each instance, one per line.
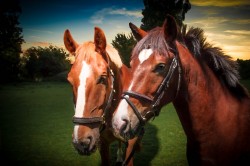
(202, 97)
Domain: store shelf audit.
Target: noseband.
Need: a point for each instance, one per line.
(154, 108)
(84, 121)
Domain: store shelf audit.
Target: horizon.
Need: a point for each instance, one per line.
(226, 24)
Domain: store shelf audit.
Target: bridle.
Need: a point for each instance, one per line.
(101, 119)
(154, 108)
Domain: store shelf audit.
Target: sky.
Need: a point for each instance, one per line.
(226, 22)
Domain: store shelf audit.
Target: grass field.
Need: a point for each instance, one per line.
(36, 128)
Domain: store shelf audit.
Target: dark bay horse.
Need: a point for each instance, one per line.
(201, 81)
(96, 77)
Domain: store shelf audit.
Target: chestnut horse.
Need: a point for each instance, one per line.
(201, 81)
(96, 78)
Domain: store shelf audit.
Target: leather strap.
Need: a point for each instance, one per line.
(80, 121)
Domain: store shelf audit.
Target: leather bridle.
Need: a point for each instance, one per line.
(154, 108)
(101, 119)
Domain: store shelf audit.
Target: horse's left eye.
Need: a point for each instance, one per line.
(159, 68)
(102, 80)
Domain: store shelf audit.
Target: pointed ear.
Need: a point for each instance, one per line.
(170, 28)
(137, 32)
(100, 40)
(69, 42)
(100, 43)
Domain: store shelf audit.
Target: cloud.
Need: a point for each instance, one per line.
(242, 21)
(99, 16)
(234, 44)
(124, 11)
(238, 32)
(27, 45)
(220, 3)
(207, 23)
(235, 37)
(237, 51)
(42, 44)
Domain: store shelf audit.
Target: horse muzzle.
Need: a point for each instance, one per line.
(85, 146)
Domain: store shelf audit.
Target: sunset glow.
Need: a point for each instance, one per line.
(226, 23)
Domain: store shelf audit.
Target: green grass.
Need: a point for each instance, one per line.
(36, 125)
(36, 128)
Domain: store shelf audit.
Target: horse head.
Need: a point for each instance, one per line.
(92, 80)
(155, 78)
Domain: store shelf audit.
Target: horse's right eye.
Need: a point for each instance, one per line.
(159, 68)
(102, 80)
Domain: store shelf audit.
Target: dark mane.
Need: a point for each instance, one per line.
(223, 66)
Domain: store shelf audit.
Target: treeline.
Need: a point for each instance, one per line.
(244, 68)
(38, 63)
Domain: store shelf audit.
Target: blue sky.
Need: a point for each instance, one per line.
(226, 23)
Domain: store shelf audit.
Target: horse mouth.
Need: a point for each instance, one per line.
(84, 149)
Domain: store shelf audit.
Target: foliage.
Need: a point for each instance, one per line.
(155, 12)
(10, 40)
(124, 44)
(244, 68)
(153, 15)
(38, 62)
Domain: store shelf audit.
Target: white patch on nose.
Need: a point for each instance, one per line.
(145, 54)
(122, 111)
(81, 96)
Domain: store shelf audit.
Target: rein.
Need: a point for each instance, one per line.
(84, 121)
(155, 101)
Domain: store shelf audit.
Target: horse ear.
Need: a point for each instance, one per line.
(69, 42)
(137, 32)
(100, 40)
(170, 28)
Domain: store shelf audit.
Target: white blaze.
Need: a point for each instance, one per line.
(145, 54)
(122, 111)
(80, 103)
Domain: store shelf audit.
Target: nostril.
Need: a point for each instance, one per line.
(90, 138)
(87, 140)
(84, 142)
(91, 142)
(125, 125)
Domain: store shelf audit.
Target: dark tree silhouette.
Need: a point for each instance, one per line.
(244, 68)
(124, 44)
(10, 40)
(155, 12)
(39, 62)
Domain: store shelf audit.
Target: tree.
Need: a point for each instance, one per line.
(41, 62)
(10, 40)
(244, 68)
(155, 12)
(124, 44)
